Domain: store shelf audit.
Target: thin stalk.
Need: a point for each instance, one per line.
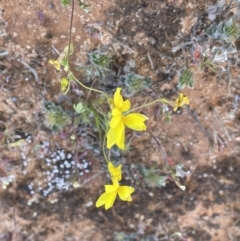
(70, 32)
(69, 43)
(103, 148)
(148, 104)
(89, 88)
(162, 151)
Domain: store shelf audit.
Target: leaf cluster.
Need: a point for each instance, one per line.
(98, 66)
(101, 67)
(226, 30)
(55, 117)
(133, 83)
(186, 79)
(124, 236)
(151, 176)
(66, 2)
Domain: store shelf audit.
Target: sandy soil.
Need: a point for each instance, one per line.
(203, 137)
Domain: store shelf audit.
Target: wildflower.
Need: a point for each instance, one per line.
(65, 85)
(116, 172)
(135, 121)
(55, 63)
(180, 101)
(111, 191)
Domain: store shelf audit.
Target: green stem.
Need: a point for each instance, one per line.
(103, 148)
(150, 103)
(89, 88)
(70, 33)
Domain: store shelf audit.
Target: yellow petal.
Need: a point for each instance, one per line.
(135, 121)
(120, 135)
(101, 200)
(64, 84)
(175, 108)
(126, 106)
(180, 96)
(125, 192)
(106, 199)
(118, 100)
(186, 100)
(119, 103)
(177, 102)
(55, 63)
(180, 101)
(116, 172)
(112, 188)
(116, 118)
(111, 138)
(116, 136)
(116, 112)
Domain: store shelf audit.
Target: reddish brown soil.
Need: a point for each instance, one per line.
(208, 210)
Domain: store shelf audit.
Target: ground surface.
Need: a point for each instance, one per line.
(204, 137)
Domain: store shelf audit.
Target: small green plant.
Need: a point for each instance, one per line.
(133, 83)
(90, 115)
(186, 79)
(177, 172)
(65, 2)
(231, 29)
(132, 236)
(85, 7)
(56, 118)
(122, 236)
(151, 176)
(82, 5)
(226, 30)
(112, 123)
(208, 63)
(79, 108)
(100, 59)
(102, 107)
(98, 66)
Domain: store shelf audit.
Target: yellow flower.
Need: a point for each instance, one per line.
(65, 85)
(55, 63)
(135, 121)
(116, 172)
(111, 191)
(180, 101)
